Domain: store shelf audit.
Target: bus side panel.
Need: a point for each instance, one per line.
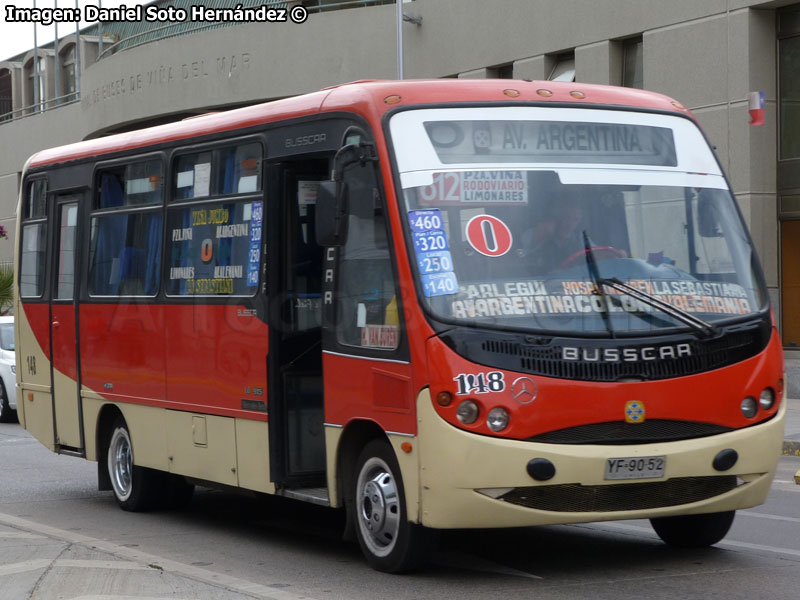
(252, 455)
(202, 446)
(376, 390)
(216, 358)
(122, 350)
(34, 396)
(147, 426)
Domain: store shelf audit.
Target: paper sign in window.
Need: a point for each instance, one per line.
(185, 179)
(202, 179)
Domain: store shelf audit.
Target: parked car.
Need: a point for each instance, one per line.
(8, 372)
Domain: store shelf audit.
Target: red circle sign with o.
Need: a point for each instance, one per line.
(489, 235)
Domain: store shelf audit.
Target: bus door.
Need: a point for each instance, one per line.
(64, 326)
(297, 440)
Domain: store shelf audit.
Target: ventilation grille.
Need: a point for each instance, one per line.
(619, 432)
(545, 356)
(573, 498)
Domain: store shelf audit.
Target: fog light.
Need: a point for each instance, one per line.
(725, 459)
(497, 420)
(767, 399)
(467, 412)
(541, 469)
(749, 407)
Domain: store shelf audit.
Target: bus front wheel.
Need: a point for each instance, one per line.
(135, 488)
(388, 540)
(693, 531)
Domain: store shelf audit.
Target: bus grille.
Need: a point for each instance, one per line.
(543, 355)
(620, 433)
(574, 498)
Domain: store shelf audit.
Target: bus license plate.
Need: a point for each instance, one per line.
(635, 467)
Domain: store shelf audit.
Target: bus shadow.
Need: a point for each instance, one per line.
(560, 552)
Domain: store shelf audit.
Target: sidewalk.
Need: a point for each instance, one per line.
(791, 437)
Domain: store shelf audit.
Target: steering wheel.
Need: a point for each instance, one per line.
(599, 252)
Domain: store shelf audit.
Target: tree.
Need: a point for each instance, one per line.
(6, 281)
(6, 288)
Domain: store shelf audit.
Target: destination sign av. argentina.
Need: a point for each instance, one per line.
(552, 141)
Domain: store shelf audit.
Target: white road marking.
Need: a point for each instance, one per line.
(19, 535)
(101, 564)
(145, 560)
(745, 513)
(24, 567)
(115, 597)
(723, 543)
(43, 563)
(775, 549)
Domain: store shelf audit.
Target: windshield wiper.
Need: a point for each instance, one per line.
(699, 325)
(703, 327)
(597, 280)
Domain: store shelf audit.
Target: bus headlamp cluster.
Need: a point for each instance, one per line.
(750, 405)
(497, 420)
(469, 411)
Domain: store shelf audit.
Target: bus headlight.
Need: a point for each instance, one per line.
(497, 419)
(767, 399)
(467, 412)
(749, 407)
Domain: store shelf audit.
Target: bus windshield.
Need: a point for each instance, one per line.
(519, 220)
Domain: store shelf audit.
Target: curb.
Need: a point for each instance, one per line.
(791, 448)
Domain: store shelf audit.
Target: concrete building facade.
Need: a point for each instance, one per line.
(708, 54)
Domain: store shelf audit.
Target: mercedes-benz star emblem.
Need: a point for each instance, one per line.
(524, 390)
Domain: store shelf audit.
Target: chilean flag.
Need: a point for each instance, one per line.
(756, 106)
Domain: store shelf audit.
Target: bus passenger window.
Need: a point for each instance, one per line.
(239, 169)
(31, 275)
(34, 241)
(192, 176)
(134, 184)
(214, 249)
(125, 255)
(367, 313)
(36, 206)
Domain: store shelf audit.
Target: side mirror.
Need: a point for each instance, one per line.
(708, 216)
(330, 219)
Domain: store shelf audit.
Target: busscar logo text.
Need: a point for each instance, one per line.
(626, 354)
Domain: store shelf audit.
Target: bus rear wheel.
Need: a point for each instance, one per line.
(135, 488)
(388, 540)
(693, 531)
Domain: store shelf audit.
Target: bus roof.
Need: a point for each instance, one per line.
(365, 98)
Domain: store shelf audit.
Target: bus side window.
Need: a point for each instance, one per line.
(125, 255)
(367, 307)
(34, 241)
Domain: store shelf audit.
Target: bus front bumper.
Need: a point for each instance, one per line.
(471, 481)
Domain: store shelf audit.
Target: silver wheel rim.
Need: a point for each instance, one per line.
(378, 507)
(120, 463)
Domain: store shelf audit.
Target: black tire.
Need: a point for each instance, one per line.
(694, 531)
(388, 541)
(135, 488)
(7, 414)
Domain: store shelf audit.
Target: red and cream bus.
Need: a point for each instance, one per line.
(435, 304)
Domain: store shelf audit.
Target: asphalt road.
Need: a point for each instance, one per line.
(62, 539)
